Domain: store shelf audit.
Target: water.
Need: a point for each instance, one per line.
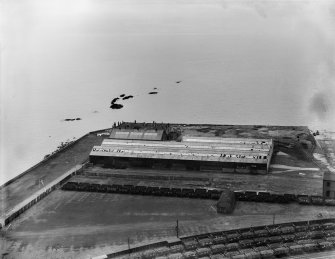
(239, 63)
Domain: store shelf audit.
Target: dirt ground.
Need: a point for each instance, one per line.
(74, 222)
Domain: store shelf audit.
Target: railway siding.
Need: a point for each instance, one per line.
(207, 246)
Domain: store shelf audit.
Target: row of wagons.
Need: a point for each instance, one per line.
(197, 193)
(256, 242)
(143, 190)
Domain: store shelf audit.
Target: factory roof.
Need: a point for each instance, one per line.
(244, 141)
(135, 134)
(216, 152)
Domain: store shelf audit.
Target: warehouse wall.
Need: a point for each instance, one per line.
(124, 162)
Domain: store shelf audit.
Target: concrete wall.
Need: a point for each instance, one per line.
(329, 189)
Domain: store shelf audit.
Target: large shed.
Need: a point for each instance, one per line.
(222, 155)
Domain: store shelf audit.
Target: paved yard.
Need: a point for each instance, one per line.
(88, 220)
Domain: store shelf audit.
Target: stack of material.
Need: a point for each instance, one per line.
(226, 203)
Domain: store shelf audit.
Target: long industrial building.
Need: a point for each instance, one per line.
(239, 155)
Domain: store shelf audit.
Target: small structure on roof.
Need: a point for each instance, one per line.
(226, 203)
(138, 134)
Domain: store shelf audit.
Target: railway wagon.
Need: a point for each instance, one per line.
(215, 194)
(316, 234)
(296, 249)
(253, 255)
(273, 230)
(233, 237)
(288, 238)
(232, 247)
(190, 244)
(267, 254)
(162, 251)
(203, 251)
(230, 254)
(246, 243)
(176, 248)
(219, 256)
(190, 255)
(329, 202)
(325, 245)
(300, 227)
(310, 247)
(274, 239)
(261, 233)
(165, 191)
(331, 239)
(304, 199)
(188, 192)
(238, 256)
(265, 197)
(260, 241)
(287, 230)
(247, 234)
(217, 249)
(329, 226)
(315, 226)
(205, 241)
(317, 200)
(329, 233)
(176, 256)
(201, 193)
(290, 197)
(219, 239)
